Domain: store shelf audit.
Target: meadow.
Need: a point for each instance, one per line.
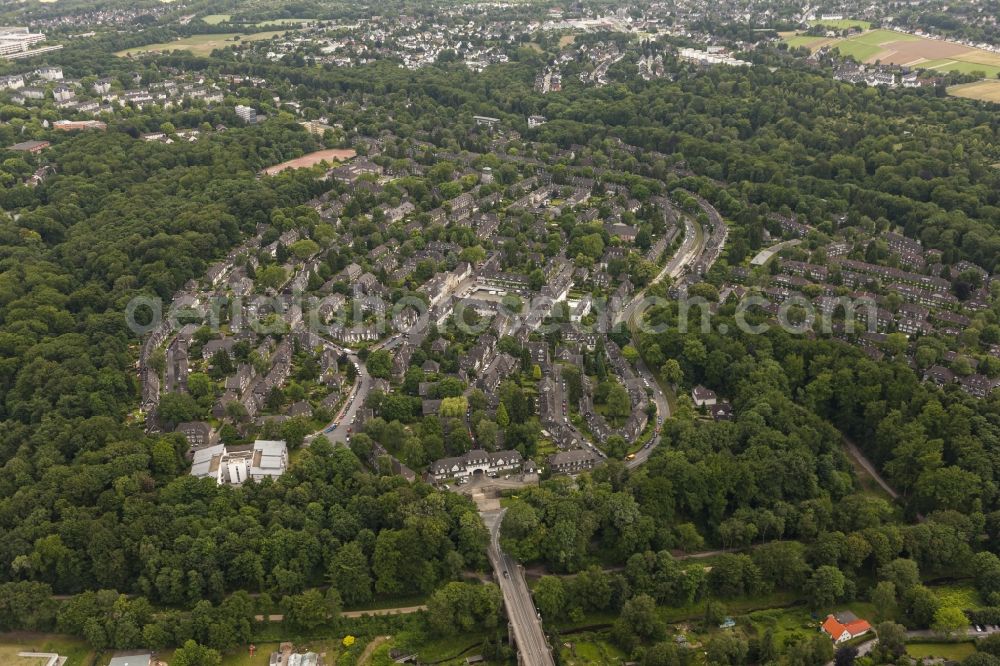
(201, 45)
(948, 651)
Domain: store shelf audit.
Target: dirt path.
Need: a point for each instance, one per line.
(404, 610)
(385, 611)
(366, 656)
(860, 459)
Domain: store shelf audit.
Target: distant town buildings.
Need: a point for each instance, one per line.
(247, 114)
(715, 55)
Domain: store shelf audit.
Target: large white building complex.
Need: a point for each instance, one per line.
(16, 42)
(235, 465)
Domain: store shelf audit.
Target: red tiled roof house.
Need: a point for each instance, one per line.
(844, 631)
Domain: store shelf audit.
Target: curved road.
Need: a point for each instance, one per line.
(691, 248)
(336, 430)
(356, 398)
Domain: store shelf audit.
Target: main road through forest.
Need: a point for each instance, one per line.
(690, 250)
(526, 624)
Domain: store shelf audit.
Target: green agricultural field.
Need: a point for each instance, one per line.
(878, 37)
(945, 65)
(216, 19)
(869, 44)
(201, 44)
(987, 91)
(796, 41)
(843, 24)
(858, 50)
(947, 651)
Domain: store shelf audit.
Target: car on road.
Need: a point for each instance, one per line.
(505, 574)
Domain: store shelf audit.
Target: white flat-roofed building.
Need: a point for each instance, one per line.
(15, 40)
(239, 464)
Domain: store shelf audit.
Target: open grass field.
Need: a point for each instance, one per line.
(945, 65)
(216, 19)
(870, 46)
(842, 24)
(202, 45)
(897, 48)
(811, 43)
(78, 653)
(958, 595)
(948, 651)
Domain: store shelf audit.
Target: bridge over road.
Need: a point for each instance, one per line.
(525, 625)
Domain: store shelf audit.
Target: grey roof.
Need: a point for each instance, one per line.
(272, 457)
(201, 466)
(135, 659)
(569, 457)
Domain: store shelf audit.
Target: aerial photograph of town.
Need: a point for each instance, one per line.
(499, 332)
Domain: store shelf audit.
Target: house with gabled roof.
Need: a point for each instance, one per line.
(703, 397)
(844, 626)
